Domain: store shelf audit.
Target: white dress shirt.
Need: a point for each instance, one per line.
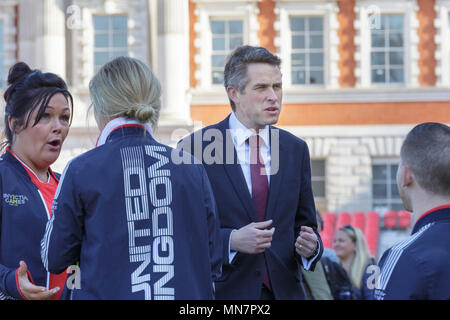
(239, 134)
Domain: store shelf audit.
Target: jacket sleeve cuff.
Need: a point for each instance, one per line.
(12, 284)
(226, 236)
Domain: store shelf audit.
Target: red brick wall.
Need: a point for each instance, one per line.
(266, 18)
(427, 46)
(341, 113)
(346, 48)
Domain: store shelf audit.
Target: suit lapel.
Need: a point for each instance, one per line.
(234, 171)
(278, 160)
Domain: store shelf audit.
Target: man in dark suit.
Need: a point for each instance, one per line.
(261, 180)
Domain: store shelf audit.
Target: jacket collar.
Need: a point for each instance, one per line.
(236, 176)
(241, 133)
(436, 214)
(118, 123)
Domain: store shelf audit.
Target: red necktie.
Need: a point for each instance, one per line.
(260, 186)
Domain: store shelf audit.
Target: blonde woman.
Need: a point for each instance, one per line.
(140, 226)
(353, 253)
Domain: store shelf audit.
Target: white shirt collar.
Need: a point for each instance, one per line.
(241, 133)
(117, 123)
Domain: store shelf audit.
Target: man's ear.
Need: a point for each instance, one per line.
(407, 176)
(233, 95)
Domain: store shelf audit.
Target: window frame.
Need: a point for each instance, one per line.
(442, 53)
(82, 37)
(388, 182)
(363, 42)
(307, 50)
(327, 10)
(387, 49)
(206, 66)
(8, 16)
(205, 91)
(320, 179)
(227, 38)
(110, 32)
(3, 74)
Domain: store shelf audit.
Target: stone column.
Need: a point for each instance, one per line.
(42, 35)
(172, 62)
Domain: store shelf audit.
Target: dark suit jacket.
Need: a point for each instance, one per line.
(290, 206)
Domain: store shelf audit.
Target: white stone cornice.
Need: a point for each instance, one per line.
(355, 95)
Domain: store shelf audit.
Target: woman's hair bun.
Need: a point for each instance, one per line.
(18, 72)
(142, 112)
(16, 75)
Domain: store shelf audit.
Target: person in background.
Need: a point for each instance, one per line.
(38, 114)
(141, 226)
(327, 252)
(329, 280)
(419, 267)
(353, 253)
(315, 282)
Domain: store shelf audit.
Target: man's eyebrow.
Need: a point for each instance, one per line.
(265, 84)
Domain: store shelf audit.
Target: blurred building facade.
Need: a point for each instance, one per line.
(357, 74)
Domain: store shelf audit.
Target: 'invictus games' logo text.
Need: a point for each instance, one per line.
(14, 199)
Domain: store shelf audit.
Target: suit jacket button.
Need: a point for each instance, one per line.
(258, 273)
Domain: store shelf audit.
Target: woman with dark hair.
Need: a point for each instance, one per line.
(37, 119)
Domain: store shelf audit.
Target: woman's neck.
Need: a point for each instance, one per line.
(41, 173)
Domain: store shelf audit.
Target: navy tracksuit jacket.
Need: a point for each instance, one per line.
(140, 226)
(23, 217)
(419, 267)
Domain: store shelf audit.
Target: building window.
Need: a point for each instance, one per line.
(2, 59)
(110, 38)
(387, 52)
(448, 54)
(226, 36)
(385, 193)
(307, 55)
(318, 179)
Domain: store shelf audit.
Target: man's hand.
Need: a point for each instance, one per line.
(306, 242)
(29, 290)
(252, 238)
